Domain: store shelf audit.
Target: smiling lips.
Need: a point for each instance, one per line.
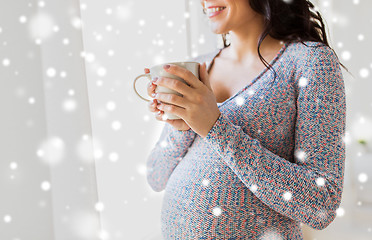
(213, 11)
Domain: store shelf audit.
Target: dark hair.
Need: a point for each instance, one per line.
(288, 20)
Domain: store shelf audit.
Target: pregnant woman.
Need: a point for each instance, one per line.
(259, 148)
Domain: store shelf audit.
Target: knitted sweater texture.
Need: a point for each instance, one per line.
(272, 161)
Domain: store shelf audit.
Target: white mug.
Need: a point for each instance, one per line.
(158, 71)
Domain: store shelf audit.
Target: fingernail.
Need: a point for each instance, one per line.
(154, 79)
(166, 66)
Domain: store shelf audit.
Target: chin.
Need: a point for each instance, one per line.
(217, 31)
(218, 27)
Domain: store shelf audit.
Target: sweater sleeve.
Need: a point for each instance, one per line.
(170, 148)
(309, 190)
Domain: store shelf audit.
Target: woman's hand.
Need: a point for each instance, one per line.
(198, 106)
(178, 124)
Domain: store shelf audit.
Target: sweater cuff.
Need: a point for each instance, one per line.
(224, 136)
(175, 134)
(216, 130)
(221, 130)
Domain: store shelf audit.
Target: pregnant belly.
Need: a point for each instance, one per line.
(204, 198)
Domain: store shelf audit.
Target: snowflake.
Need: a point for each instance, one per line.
(217, 211)
(164, 144)
(31, 100)
(63, 74)
(7, 218)
(346, 55)
(362, 177)
(66, 41)
(69, 105)
(101, 71)
(111, 105)
(76, 22)
(364, 72)
(251, 92)
(108, 11)
(239, 101)
(340, 212)
(99, 206)
(271, 234)
(300, 155)
(253, 188)
(287, 196)
(41, 4)
(22, 19)
(113, 157)
(13, 165)
(205, 182)
(6, 62)
(141, 22)
(116, 125)
(320, 181)
(302, 82)
(170, 23)
(45, 186)
(110, 52)
(51, 72)
(103, 234)
(71, 92)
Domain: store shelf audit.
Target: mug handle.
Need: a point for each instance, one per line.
(148, 75)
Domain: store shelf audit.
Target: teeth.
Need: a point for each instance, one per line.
(212, 10)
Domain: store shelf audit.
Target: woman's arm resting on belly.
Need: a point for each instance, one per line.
(308, 191)
(164, 157)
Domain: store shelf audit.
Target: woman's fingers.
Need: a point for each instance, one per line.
(152, 106)
(150, 89)
(159, 115)
(179, 124)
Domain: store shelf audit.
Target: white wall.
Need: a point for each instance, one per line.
(40, 129)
